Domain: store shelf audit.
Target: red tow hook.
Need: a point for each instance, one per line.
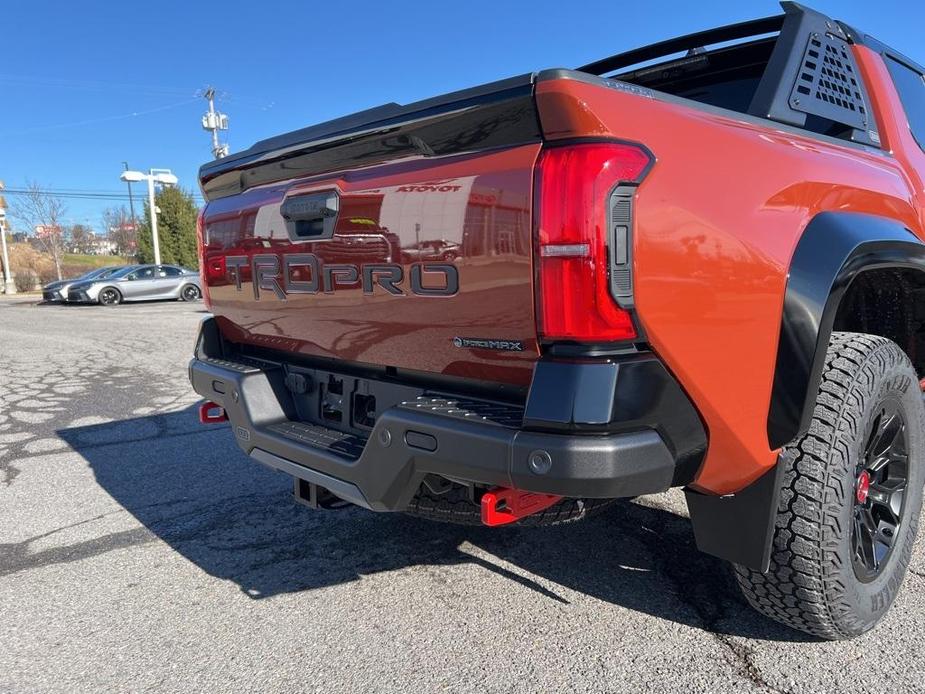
(503, 505)
(210, 413)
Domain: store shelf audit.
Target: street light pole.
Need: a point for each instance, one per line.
(8, 286)
(153, 208)
(162, 176)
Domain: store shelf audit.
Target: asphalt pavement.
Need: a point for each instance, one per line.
(141, 551)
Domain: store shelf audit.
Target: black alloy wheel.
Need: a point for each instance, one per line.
(110, 296)
(880, 490)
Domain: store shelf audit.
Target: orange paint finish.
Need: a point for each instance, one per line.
(717, 221)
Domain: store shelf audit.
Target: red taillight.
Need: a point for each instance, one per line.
(573, 188)
(203, 271)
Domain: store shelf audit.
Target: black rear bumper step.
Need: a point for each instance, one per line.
(462, 439)
(468, 410)
(348, 446)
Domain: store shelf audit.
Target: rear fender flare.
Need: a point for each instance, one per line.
(833, 250)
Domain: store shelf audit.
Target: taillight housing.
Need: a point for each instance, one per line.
(572, 197)
(203, 270)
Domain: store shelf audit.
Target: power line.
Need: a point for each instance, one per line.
(82, 195)
(100, 191)
(91, 121)
(61, 83)
(144, 89)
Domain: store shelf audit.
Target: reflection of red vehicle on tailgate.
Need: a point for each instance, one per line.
(438, 249)
(528, 299)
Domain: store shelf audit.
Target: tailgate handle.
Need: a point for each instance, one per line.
(311, 217)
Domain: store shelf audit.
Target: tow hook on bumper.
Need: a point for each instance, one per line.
(503, 505)
(210, 413)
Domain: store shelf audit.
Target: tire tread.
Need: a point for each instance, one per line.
(804, 588)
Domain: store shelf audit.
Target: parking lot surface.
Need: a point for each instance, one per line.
(141, 551)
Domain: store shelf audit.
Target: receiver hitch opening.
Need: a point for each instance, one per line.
(210, 413)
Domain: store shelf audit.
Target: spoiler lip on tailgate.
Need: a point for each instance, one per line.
(366, 122)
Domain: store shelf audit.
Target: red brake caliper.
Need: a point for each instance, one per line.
(503, 505)
(863, 487)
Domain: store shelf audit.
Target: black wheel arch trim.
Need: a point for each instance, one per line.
(833, 250)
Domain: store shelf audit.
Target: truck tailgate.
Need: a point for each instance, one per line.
(399, 237)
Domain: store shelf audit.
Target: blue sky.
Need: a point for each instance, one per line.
(87, 85)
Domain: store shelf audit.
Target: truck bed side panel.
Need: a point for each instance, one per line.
(717, 220)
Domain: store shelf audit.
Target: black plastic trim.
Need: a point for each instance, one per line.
(834, 248)
(339, 488)
(591, 350)
(630, 393)
(619, 240)
(738, 528)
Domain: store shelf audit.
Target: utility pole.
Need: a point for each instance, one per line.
(215, 121)
(8, 286)
(131, 201)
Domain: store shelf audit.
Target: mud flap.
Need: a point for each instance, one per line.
(739, 527)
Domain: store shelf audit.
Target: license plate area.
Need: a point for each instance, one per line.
(344, 402)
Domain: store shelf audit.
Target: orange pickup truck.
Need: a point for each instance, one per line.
(698, 264)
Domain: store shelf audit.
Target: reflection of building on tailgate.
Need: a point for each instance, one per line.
(456, 219)
(440, 220)
(491, 224)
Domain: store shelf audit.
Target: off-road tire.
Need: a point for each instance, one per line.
(812, 584)
(455, 506)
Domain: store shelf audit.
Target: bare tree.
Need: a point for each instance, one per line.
(42, 212)
(121, 230)
(82, 239)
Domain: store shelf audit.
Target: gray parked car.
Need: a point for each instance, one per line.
(57, 291)
(138, 283)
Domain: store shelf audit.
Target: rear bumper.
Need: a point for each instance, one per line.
(491, 444)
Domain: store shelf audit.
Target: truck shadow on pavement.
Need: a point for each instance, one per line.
(191, 487)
